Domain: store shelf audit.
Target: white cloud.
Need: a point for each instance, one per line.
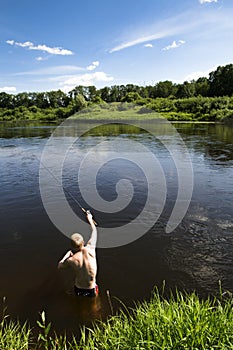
(41, 58)
(86, 79)
(205, 1)
(204, 73)
(93, 66)
(197, 74)
(10, 42)
(26, 44)
(51, 50)
(174, 45)
(148, 45)
(8, 89)
(44, 48)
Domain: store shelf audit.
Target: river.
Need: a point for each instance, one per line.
(195, 256)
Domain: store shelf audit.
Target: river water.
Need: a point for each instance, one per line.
(196, 255)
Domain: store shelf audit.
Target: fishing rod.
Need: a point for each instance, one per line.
(65, 190)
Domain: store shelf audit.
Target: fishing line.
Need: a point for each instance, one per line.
(65, 190)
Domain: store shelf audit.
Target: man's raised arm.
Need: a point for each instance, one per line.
(92, 241)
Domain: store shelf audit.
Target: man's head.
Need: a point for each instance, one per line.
(77, 241)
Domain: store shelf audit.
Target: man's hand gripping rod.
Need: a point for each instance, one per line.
(88, 212)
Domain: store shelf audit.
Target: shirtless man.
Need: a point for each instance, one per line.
(83, 261)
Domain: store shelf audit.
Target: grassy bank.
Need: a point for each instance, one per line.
(195, 109)
(149, 112)
(182, 322)
(116, 111)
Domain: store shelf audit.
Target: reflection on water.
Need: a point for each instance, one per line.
(214, 141)
(194, 257)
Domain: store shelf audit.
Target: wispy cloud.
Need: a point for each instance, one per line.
(8, 89)
(205, 1)
(93, 66)
(51, 50)
(69, 76)
(143, 39)
(174, 45)
(188, 23)
(64, 70)
(55, 70)
(148, 45)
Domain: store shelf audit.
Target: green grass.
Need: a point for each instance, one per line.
(183, 322)
(116, 111)
(14, 336)
(189, 109)
(180, 322)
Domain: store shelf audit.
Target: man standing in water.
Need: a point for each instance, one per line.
(83, 261)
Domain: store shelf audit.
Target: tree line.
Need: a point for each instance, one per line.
(200, 96)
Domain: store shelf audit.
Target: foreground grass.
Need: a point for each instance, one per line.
(181, 322)
(13, 336)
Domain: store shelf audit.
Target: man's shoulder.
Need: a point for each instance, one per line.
(75, 257)
(89, 249)
(89, 246)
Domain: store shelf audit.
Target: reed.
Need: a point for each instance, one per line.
(13, 335)
(181, 321)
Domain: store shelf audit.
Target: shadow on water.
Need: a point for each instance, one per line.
(194, 257)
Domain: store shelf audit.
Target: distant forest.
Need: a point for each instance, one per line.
(207, 99)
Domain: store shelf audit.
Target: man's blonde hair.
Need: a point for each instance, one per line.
(77, 240)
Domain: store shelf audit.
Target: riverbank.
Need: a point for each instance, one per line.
(195, 109)
(179, 322)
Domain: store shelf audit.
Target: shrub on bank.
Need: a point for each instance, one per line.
(184, 109)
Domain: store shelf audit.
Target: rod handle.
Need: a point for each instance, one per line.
(88, 212)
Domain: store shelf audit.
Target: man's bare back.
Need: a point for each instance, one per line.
(84, 265)
(82, 260)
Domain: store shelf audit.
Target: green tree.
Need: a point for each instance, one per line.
(78, 90)
(164, 88)
(79, 103)
(6, 100)
(187, 89)
(57, 99)
(221, 81)
(202, 87)
(105, 93)
(42, 100)
(92, 93)
(151, 91)
(21, 99)
(115, 94)
(131, 97)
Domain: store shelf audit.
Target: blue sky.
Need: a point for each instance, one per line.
(50, 44)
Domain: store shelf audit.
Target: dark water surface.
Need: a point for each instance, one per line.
(195, 256)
